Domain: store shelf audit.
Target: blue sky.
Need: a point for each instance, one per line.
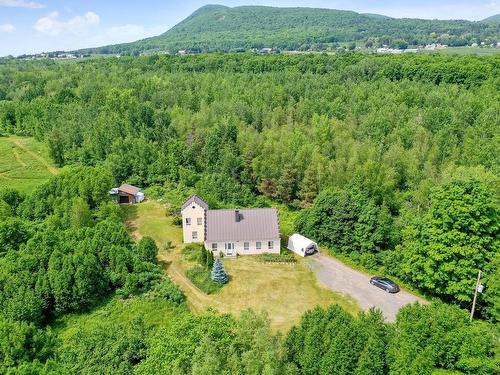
(28, 26)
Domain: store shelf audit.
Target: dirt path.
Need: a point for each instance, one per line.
(18, 157)
(197, 300)
(44, 162)
(339, 277)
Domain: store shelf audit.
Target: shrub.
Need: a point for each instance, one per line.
(201, 278)
(147, 249)
(167, 290)
(368, 260)
(177, 220)
(191, 252)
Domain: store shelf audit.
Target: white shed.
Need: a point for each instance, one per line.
(302, 245)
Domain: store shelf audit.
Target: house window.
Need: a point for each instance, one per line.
(246, 246)
(270, 245)
(214, 246)
(188, 221)
(258, 245)
(195, 235)
(199, 221)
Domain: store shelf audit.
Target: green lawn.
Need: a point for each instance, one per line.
(285, 291)
(24, 163)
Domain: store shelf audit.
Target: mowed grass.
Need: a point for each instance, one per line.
(284, 291)
(24, 163)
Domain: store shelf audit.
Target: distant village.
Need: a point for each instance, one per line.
(385, 49)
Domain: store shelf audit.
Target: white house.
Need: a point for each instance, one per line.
(302, 245)
(231, 231)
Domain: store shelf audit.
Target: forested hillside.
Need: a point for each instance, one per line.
(390, 161)
(219, 28)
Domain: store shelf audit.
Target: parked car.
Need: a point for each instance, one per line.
(384, 283)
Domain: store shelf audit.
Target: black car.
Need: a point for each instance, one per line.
(384, 283)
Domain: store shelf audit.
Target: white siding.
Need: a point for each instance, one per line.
(252, 250)
(193, 212)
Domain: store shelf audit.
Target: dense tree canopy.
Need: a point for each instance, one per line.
(458, 236)
(391, 161)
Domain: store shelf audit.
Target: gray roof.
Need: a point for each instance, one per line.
(254, 224)
(196, 199)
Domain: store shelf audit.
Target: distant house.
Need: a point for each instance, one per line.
(128, 194)
(231, 231)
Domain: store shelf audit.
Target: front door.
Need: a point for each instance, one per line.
(229, 248)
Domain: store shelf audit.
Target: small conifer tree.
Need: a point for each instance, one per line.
(219, 275)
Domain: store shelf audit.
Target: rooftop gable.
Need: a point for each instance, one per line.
(129, 189)
(195, 199)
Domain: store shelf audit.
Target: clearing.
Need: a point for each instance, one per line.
(284, 291)
(24, 163)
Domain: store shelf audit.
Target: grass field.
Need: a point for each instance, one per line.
(284, 291)
(113, 313)
(24, 163)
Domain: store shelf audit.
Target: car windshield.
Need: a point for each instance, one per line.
(388, 282)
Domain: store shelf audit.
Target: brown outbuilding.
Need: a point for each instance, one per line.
(128, 194)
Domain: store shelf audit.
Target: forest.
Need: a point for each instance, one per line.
(217, 28)
(389, 161)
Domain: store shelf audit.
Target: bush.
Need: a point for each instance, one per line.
(369, 261)
(191, 252)
(201, 278)
(167, 290)
(177, 220)
(278, 258)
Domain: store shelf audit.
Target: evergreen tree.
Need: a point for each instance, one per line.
(219, 275)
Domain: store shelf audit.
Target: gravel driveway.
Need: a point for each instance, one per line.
(341, 278)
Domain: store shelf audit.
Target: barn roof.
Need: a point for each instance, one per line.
(251, 224)
(195, 199)
(129, 189)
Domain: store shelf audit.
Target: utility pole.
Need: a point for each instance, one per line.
(475, 295)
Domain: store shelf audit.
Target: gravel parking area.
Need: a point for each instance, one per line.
(341, 278)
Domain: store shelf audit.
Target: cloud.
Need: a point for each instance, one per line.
(7, 28)
(21, 4)
(51, 25)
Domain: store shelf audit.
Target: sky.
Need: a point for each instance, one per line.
(31, 26)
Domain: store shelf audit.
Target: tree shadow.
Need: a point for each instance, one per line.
(130, 216)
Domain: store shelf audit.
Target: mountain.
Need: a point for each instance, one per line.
(495, 18)
(220, 28)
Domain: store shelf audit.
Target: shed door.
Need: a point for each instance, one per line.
(123, 199)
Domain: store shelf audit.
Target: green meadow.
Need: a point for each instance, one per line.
(24, 163)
